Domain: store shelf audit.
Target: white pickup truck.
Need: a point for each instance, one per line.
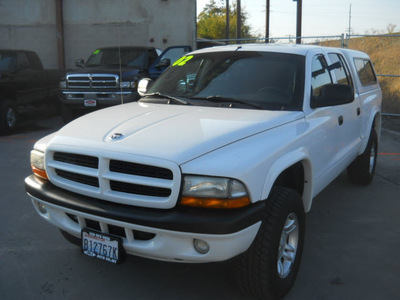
(220, 159)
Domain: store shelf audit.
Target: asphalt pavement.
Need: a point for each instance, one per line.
(351, 248)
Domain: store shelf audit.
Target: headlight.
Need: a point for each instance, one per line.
(37, 164)
(127, 84)
(213, 192)
(63, 84)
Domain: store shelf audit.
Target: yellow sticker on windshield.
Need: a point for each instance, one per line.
(182, 61)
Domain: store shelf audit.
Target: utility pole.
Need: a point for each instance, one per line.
(238, 20)
(267, 8)
(60, 34)
(298, 28)
(350, 21)
(348, 36)
(227, 20)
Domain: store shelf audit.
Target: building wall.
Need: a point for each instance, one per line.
(90, 24)
(30, 25)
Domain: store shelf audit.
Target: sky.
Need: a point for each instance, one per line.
(320, 17)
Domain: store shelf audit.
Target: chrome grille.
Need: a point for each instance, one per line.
(92, 81)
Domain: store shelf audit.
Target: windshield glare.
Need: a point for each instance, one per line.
(115, 57)
(270, 80)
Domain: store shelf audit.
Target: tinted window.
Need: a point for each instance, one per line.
(269, 80)
(365, 71)
(320, 74)
(174, 54)
(8, 62)
(112, 57)
(340, 69)
(23, 61)
(35, 61)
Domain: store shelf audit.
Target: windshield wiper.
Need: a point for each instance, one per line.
(218, 99)
(176, 100)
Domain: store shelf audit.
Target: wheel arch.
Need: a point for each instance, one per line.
(293, 170)
(374, 123)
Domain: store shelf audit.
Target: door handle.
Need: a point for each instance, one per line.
(358, 111)
(340, 120)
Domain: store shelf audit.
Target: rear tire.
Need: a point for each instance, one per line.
(362, 169)
(269, 267)
(8, 117)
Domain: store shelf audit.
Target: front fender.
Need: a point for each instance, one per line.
(282, 164)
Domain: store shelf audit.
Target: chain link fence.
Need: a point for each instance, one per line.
(382, 48)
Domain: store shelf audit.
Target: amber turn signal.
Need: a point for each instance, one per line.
(39, 172)
(215, 202)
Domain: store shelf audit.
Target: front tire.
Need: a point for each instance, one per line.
(269, 267)
(361, 171)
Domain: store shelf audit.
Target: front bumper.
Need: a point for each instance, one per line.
(162, 234)
(104, 98)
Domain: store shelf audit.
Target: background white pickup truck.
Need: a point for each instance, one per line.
(220, 159)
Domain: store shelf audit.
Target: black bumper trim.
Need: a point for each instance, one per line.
(207, 221)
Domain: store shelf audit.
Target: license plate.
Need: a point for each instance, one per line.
(90, 102)
(102, 246)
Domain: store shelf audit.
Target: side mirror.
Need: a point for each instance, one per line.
(333, 94)
(143, 86)
(80, 63)
(164, 63)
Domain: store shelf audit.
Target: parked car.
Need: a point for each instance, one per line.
(110, 77)
(24, 85)
(220, 159)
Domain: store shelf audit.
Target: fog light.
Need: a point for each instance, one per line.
(42, 208)
(201, 246)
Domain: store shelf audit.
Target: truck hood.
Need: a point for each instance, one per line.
(172, 132)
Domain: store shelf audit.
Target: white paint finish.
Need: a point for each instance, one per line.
(167, 245)
(253, 146)
(171, 132)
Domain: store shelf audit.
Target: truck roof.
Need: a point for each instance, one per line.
(127, 47)
(280, 48)
(16, 50)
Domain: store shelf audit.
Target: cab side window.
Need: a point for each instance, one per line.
(340, 69)
(320, 74)
(23, 62)
(365, 71)
(152, 57)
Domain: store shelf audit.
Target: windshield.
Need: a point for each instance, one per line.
(112, 57)
(8, 62)
(271, 81)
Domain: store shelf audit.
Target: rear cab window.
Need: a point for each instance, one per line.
(365, 71)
